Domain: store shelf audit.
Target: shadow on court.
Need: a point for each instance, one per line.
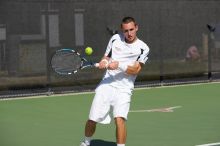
(97, 142)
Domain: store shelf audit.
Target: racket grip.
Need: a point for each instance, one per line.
(96, 64)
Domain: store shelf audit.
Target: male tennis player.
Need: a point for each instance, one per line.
(124, 58)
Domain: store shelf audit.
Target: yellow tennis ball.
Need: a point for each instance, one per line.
(88, 51)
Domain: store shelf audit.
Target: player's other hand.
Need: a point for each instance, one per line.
(134, 69)
(113, 65)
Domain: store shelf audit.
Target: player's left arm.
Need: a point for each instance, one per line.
(134, 69)
(128, 69)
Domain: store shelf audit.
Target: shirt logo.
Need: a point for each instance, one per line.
(117, 48)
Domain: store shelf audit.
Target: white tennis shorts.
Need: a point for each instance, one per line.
(106, 98)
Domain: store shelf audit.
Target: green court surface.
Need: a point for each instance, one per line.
(186, 115)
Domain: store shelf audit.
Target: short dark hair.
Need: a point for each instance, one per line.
(128, 19)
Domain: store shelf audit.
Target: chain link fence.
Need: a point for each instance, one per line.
(183, 36)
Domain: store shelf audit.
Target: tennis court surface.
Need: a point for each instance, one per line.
(186, 115)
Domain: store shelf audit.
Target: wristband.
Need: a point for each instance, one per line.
(122, 67)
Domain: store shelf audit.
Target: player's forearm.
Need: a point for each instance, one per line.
(128, 69)
(134, 69)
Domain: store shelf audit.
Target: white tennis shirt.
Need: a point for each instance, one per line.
(126, 54)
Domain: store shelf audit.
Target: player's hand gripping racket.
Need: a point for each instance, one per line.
(68, 61)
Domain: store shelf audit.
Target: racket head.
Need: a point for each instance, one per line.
(66, 61)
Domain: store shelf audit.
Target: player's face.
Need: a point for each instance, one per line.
(130, 31)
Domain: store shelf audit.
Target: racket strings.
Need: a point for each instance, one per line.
(66, 62)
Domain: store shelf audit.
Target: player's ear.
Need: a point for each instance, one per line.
(136, 27)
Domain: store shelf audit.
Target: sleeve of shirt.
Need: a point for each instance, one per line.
(144, 54)
(108, 51)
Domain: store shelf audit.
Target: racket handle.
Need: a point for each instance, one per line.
(96, 64)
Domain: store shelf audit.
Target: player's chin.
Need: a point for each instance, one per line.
(130, 39)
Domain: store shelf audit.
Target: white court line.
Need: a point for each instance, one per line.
(210, 144)
(178, 85)
(167, 109)
(45, 96)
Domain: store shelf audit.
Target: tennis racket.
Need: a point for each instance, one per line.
(68, 61)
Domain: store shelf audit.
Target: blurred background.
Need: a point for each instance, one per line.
(183, 37)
